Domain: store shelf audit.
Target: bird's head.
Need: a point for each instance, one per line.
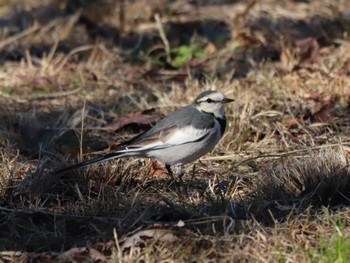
(211, 102)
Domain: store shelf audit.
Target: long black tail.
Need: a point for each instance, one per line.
(106, 157)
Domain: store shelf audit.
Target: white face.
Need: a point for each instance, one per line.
(212, 103)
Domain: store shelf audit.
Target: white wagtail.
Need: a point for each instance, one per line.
(182, 137)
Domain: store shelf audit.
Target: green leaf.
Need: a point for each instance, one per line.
(180, 55)
(7, 90)
(198, 53)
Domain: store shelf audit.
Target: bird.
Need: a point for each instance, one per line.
(179, 138)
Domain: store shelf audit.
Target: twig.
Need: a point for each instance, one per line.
(163, 37)
(39, 211)
(71, 53)
(18, 36)
(40, 97)
(230, 156)
(82, 131)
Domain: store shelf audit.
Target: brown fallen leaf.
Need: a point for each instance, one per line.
(97, 256)
(32, 257)
(247, 38)
(346, 150)
(37, 81)
(76, 253)
(210, 48)
(290, 122)
(157, 168)
(309, 51)
(140, 237)
(140, 117)
(322, 115)
(314, 95)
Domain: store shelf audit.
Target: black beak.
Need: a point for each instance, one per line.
(227, 100)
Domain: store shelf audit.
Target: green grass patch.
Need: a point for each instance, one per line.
(336, 248)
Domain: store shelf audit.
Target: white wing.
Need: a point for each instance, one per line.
(184, 135)
(168, 137)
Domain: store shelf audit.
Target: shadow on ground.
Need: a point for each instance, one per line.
(255, 39)
(39, 212)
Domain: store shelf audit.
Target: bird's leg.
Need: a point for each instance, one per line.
(170, 172)
(179, 171)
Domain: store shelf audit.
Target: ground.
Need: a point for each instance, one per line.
(79, 77)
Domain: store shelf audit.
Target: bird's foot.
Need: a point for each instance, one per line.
(179, 172)
(177, 180)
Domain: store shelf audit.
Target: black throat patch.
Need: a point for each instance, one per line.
(222, 122)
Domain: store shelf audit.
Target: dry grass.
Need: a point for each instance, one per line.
(275, 189)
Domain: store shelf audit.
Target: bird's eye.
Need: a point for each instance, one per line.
(209, 100)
